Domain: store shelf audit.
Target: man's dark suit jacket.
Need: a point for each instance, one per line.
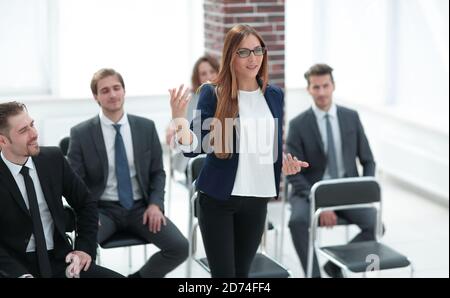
(87, 156)
(57, 180)
(304, 142)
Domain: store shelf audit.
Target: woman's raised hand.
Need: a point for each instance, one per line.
(179, 99)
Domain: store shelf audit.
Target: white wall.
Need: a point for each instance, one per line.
(53, 47)
(385, 53)
(390, 59)
(412, 153)
(149, 42)
(24, 47)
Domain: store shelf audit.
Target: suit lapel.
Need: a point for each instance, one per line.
(137, 143)
(344, 129)
(270, 103)
(10, 184)
(315, 129)
(97, 136)
(44, 173)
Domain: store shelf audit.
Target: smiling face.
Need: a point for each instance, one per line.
(110, 95)
(21, 141)
(248, 68)
(206, 72)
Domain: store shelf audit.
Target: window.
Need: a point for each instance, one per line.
(54, 47)
(24, 61)
(151, 43)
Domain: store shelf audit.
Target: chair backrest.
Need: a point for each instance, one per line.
(344, 192)
(64, 145)
(195, 167)
(70, 219)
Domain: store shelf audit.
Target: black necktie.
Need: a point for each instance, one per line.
(38, 231)
(332, 160)
(124, 187)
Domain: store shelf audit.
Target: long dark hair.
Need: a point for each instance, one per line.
(228, 86)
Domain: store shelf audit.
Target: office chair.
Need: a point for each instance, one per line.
(195, 166)
(125, 240)
(119, 239)
(64, 145)
(357, 257)
(70, 221)
(287, 189)
(263, 266)
(175, 176)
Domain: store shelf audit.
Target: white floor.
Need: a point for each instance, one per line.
(415, 226)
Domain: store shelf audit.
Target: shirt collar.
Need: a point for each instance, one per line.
(320, 114)
(15, 168)
(106, 121)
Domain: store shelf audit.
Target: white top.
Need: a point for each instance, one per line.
(334, 121)
(46, 217)
(255, 176)
(109, 136)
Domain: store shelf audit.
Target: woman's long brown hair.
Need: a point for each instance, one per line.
(228, 87)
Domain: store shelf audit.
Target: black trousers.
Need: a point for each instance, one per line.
(174, 247)
(59, 268)
(231, 232)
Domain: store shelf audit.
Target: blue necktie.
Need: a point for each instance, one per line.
(124, 188)
(332, 161)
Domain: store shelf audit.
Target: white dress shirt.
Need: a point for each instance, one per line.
(255, 176)
(109, 136)
(46, 218)
(334, 121)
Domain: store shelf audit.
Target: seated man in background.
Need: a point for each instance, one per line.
(33, 181)
(119, 157)
(330, 138)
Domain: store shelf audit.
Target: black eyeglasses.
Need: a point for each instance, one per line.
(244, 53)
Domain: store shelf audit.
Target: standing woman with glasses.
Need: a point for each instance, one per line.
(240, 129)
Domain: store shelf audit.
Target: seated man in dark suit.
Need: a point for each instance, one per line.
(330, 138)
(33, 181)
(119, 157)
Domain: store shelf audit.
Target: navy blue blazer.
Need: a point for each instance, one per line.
(217, 176)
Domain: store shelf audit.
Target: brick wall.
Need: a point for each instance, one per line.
(266, 16)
